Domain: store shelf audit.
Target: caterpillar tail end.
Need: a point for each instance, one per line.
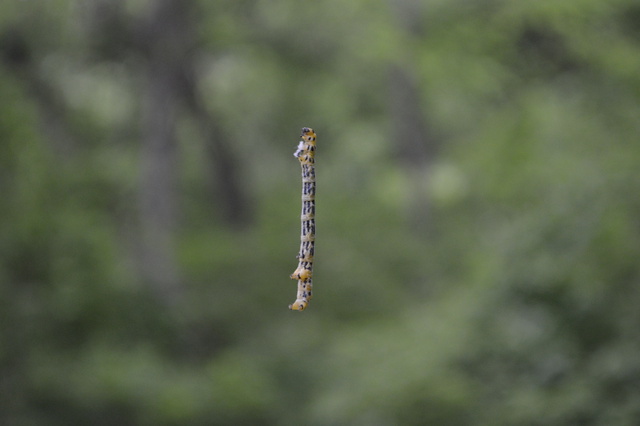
(305, 293)
(299, 305)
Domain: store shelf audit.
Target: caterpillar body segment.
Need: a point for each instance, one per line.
(305, 153)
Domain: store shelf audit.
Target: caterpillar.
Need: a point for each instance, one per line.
(305, 153)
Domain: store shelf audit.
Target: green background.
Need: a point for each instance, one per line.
(478, 212)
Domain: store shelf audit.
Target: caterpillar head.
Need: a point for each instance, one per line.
(308, 135)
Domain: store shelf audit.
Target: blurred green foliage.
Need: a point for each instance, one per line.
(511, 300)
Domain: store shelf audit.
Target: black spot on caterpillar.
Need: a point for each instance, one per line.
(305, 153)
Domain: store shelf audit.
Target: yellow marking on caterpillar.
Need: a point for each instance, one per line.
(301, 274)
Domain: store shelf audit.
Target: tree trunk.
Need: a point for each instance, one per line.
(168, 40)
(415, 142)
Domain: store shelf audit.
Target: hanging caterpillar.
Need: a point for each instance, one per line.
(305, 153)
